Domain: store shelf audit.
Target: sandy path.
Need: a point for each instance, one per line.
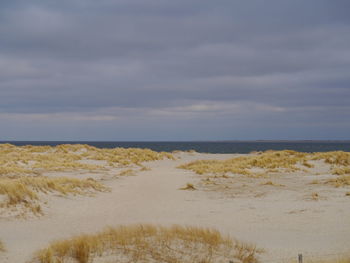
(280, 223)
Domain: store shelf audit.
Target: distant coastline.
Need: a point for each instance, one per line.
(210, 146)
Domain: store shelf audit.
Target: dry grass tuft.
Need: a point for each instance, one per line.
(272, 184)
(25, 190)
(340, 181)
(30, 159)
(127, 172)
(341, 170)
(335, 158)
(188, 187)
(315, 196)
(144, 168)
(150, 243)
(315, 182)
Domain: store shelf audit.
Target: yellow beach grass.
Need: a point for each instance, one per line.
(15, 160)
(150, 243)
(271, 161)
(25, 190)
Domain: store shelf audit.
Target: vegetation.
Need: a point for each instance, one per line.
(341, 170)
(144, 168)
(128, 172)
(30, 159)
(272, 184)
(224, 175)
(188, 187)
(315, 196)
(21, 182)
(150, 243)
(240, 165)
(343, 180)
(271, 161)
(335, 158)
(25, 190)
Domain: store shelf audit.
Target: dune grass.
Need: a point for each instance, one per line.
(150, 243)
(25, 190)
(127, 172)
(315, 196)
(341, 170)
(15, 160)
(340, 181)
(334, 157)
(21, 169)
(271, 161)
(272, 184)
(223, 175)
(188, 186)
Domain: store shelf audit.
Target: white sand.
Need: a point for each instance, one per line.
(283, 220)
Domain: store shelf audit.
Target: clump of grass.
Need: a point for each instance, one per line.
(341, 170)
(335, 157)
(188, 187)
(144, 168)
(347, 193)
(25, 190)
(16, 160)
(150, 243)
(340, 181)
(315, 182)
(127, 172)
(272, 183)
(308, 165)
(315, 196)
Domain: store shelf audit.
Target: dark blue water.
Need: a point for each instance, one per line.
(212, 147)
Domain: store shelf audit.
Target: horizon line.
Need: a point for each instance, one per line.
(145, 141)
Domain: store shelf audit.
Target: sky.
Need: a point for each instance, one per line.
(153, 70)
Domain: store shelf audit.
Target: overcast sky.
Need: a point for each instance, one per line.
(174, 70)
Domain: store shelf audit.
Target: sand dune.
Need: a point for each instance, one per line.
(284, 220)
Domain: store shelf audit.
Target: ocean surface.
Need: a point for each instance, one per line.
(210, 146)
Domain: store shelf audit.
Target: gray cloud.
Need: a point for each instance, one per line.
(174, 69)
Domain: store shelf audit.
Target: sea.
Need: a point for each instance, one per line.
(208, 146)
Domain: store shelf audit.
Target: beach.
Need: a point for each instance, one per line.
(284, 215)
(175, 131)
